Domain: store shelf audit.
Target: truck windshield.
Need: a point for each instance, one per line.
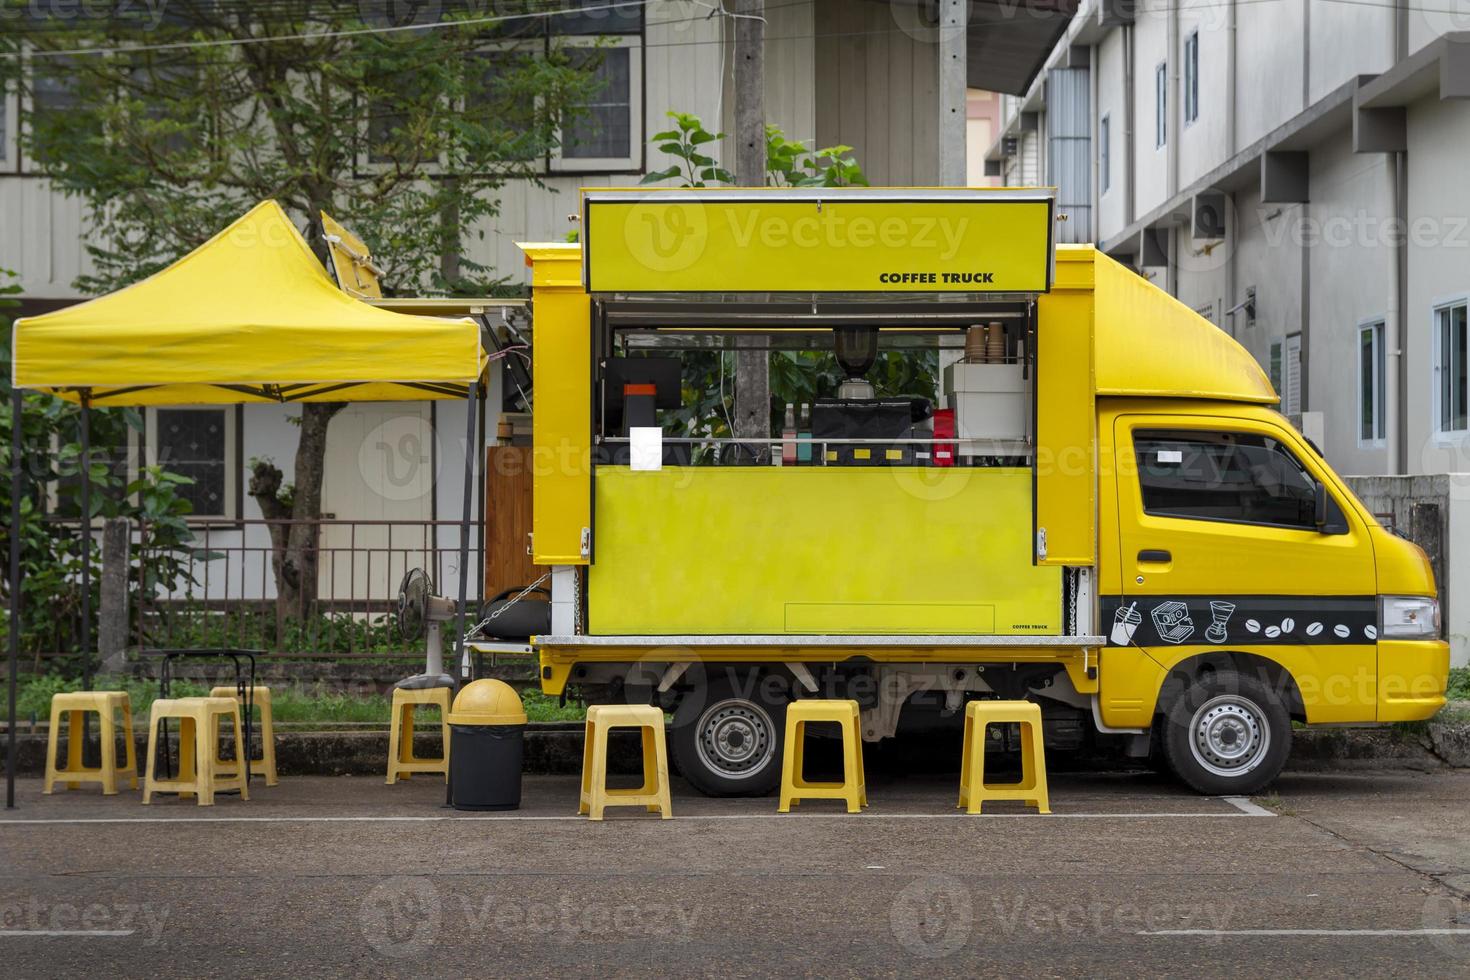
(1223, 476)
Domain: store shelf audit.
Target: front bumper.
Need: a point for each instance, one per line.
(1412, 675)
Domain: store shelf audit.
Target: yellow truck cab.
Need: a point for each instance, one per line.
(1012, 469)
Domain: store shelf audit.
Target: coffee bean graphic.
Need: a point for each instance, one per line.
(1251, 626)
(1273, 631)
(1342, 631)
(1288, 624)
(1314, 628)
(1371, 632)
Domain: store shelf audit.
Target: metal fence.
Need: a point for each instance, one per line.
(225, 592)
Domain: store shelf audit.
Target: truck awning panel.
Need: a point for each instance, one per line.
(817, 240)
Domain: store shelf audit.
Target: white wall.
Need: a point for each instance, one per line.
(1348, 40)
(1270, 66)
(1439, 266)
(1110, 100)
(1203, 143)
(1350, 274)
(1151, 162)
(41, 237)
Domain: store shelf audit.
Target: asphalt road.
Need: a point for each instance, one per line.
(1336, 875)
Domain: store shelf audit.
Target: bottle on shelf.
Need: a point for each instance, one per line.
(788, 436)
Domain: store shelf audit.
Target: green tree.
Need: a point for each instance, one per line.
(170, 121)
(51, 542)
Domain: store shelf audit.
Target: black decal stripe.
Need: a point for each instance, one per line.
(1254, 620)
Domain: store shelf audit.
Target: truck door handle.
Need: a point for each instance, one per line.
(1155, 555)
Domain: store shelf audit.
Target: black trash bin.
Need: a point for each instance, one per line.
(487, 730)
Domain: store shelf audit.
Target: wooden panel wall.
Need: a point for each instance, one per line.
(507, 519)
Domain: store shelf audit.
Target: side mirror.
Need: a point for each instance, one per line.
(1319, 514)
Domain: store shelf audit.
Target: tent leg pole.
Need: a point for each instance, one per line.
(470, 454)
(86, 541)
(17, 403)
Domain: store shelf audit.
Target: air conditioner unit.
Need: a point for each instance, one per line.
(1207, 216)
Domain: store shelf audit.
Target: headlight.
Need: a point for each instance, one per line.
(1408, 615)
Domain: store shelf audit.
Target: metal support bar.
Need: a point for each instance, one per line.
(86, 631)
(17, 403)
(470, 456)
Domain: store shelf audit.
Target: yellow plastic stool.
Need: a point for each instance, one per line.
(199, 720)
(260, 698)
(794, 787)
(401, 760)
(654, 793)
(1031, 790)
(104, 704)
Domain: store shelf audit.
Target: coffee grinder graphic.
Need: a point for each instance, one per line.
(1220, 613)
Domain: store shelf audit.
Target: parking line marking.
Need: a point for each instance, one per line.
(1305, 932)
(69, 933)
(488, 818)
(1244, 805)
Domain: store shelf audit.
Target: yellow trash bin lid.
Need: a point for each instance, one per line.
(487, 702)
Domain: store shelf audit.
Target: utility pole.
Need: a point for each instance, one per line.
(752, 367)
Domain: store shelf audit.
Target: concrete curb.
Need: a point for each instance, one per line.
(556, 748)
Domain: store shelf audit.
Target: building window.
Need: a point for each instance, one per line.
(199, 443)
(501, 102)
(1239, 478)
(5, 117)
(53, 96)
(1450, 368)
(1161, 103)
(1371, 374)
(1104, 154)
(1191, 78)
(607, 133)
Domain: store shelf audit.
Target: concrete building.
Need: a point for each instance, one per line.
(1294, 171)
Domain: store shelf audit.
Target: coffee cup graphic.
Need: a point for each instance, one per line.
(1125, 623)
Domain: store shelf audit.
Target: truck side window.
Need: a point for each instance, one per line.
(1223, 476)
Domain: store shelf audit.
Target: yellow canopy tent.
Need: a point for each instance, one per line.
(249, 316)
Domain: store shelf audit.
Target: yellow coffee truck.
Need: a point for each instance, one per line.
(992, 467)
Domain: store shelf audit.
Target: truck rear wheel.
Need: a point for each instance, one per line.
(1226, 734)
(727, 739)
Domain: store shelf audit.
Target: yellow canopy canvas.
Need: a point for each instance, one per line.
(250, 315)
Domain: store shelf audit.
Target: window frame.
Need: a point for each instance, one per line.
(9, 128)
(1190, 95)
(1161, 105)
(637, 91)
(1376, 328)
(1337, 519)
(233, 453)
(1438, 306)
(1105, 153)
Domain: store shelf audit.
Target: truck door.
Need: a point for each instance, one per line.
(1219, 541)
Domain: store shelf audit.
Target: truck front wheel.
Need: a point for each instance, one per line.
(1226, 734)
(726, 738)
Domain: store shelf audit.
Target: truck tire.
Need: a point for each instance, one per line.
(727, 738)
(1226, 734)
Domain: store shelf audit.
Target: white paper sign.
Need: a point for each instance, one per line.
(646, 445)
(1171, 456)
